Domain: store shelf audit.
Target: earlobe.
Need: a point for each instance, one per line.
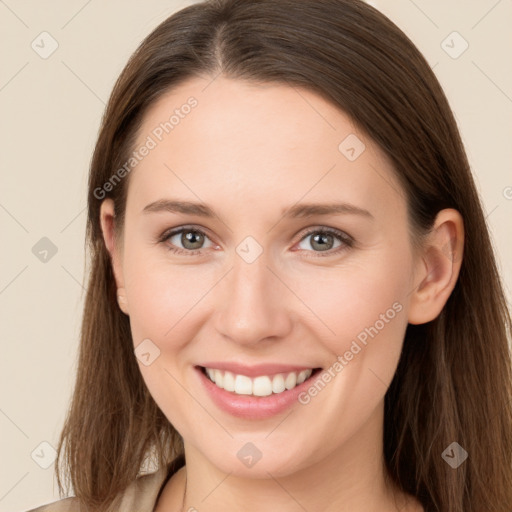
(107, 220)
(439, 267)
(121, 300)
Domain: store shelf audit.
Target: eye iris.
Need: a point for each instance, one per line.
(322, 237)
(193, 237)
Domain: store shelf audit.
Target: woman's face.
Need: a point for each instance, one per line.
(262, 283)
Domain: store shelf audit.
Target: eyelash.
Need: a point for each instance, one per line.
(346, 240)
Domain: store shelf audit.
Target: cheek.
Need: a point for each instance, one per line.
(360, 299)
(366, 308)
(363, 308)
(164, 304)
(163, 297)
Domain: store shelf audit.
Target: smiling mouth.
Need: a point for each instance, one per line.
(262, 385)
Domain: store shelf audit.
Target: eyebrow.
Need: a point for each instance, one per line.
(296, 211)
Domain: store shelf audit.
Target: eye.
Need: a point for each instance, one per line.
(324, 241)
(191, 239)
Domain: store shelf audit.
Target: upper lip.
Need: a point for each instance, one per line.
(255, 370)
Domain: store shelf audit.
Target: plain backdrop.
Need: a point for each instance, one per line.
(59, 62)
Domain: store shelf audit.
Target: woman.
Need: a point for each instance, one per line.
(293, 302)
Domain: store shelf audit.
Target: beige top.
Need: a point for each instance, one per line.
(141, 496)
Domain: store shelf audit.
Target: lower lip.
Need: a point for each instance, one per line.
(253, 407)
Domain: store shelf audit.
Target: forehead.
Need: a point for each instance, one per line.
(238, 115)
(229, 139)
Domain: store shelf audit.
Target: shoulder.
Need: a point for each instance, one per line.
(141, 493)
(65, 505)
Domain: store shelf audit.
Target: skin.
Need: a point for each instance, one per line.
(250, 152)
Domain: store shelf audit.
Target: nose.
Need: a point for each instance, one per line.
(253, 304)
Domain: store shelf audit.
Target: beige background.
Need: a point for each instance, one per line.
(51, 109)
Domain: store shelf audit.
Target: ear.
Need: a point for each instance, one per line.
(438, 268)
(107, 220)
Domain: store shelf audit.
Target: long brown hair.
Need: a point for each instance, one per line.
(454, 379)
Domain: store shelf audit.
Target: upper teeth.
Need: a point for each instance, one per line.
(263, 385)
